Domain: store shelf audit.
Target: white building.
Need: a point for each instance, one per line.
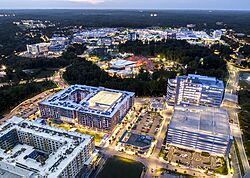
(121, 64)
(195, 90)
(105, 41)
(217, 34)
(38, 49)
(132, 36)
(63, 41)
(200, 129)
(32, 150)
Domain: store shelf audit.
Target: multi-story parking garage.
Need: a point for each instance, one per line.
(201, 129)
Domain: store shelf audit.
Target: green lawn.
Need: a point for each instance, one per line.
(118, 167)
(97, 137)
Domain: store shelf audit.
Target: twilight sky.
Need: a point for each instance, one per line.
(126, 4)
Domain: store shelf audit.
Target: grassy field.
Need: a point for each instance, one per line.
(118, 167)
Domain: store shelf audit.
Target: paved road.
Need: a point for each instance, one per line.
(162, 133)
(152, 163)
(231, 89)
(33, 102)
(58, 79)
(27, 104)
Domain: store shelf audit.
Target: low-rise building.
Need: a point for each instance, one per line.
(136, 143)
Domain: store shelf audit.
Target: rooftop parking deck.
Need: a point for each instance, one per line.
(201, 120)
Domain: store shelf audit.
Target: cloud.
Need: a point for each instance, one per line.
(88, 1)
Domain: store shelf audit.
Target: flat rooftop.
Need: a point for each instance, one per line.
(122, 62)
(94, 100)
(103, 100)
(205, 80)
(7, 174)
(206, 120)
(137, 140)
(72, 144)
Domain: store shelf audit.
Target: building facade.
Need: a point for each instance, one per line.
(195, 90)
(132, 36)
(32, 150)
(95, 107)
(200, 129)
(38, 49)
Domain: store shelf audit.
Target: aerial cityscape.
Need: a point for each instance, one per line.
(115, 89)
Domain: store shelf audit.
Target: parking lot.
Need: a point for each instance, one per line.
(148, 122)
(192, 159)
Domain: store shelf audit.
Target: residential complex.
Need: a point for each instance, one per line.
(32, 150)
(195, 90)
(94, 107)
(201, 129)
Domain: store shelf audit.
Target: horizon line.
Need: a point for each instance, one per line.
(135, 9)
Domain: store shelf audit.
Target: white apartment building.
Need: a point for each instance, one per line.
(32, 150)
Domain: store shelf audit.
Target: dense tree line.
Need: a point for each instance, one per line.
(200, 60)
(244, 117)
(237, 20)
(225, 51)
(85, 72)
(13, 95)
(245, 50)
(16, 65)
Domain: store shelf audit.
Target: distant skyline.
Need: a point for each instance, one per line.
(126, 4)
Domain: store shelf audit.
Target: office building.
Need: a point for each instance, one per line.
(105, 41)
(217, 34)
(32, 150)
(38, 49)
(63, 41)
(200, 129)
(132, 36)
(195, 90)
(94, 107)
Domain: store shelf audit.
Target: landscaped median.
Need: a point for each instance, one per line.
(239, 158)
(97, 136)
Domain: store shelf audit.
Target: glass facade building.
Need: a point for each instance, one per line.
(195, 90)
